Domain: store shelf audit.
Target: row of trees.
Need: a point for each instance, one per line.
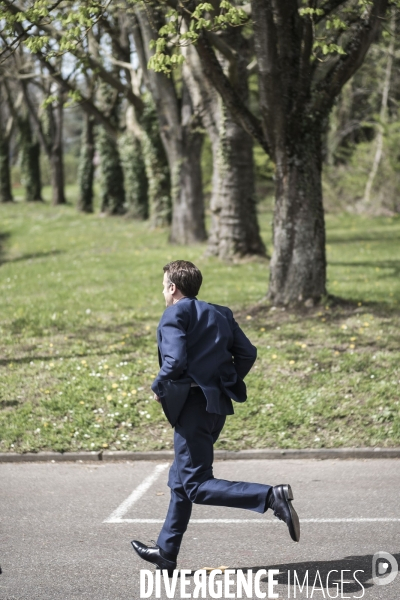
(362, 148)
(154, 77)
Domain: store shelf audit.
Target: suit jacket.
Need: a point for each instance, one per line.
(203, 342)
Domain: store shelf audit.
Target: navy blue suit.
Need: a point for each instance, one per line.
(203, 341)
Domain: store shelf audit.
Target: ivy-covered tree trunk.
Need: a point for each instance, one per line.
(136, 184)
(156, 167)
(112, 183)
(5, 175)
(154, 155)
(112, 176)
(86, 166)
(30, 160)
(188, 226)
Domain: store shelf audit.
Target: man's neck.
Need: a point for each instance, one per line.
(177, 299)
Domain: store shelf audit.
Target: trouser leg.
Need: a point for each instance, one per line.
(178, 515)
(191, 476)
(195, 434)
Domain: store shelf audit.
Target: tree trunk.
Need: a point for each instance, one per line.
(188, 225)
(57, 154)
(296, 82)
(5, 135)
(86, 166)
(57, 177)
(234, 230)
(136, 183)
(298, 264)
(32, 176)
(5, 176)
(154, 156)
(234, 225)
(177, 127)
(156, 167)
(187, 193)
(112, 176)
(30, 160)
(49, 129)
(366, 202)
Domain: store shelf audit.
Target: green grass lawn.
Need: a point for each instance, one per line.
(81, 296)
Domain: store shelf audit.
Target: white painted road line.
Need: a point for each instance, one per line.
(113, 519)
(116, 516)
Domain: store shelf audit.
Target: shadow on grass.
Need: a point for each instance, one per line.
(34, 255)
(3, 239)
(269, 315)
(394, 265)
(96, 348)
(373, 237)
(51, 358)
(345, 307)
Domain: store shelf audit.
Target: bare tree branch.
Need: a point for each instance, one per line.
(139, 46)
(240, 113)
(214, 72)
(20, 37)
(86, 103)
(13, 106)
(162, 87)
(105, 75)
(35, 118)
(328, 7)
(347, 65)
(228, 52)
(305, 70)
(288, 24)
(270, 73)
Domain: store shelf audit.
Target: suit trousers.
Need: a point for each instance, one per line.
(191, 477)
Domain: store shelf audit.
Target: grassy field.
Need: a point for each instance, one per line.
(80, 301)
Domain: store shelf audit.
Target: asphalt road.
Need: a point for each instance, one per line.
(65, 529)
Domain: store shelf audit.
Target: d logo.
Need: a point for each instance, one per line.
(381, 574)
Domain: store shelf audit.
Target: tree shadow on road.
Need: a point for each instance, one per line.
(310, 570)
(329, 572)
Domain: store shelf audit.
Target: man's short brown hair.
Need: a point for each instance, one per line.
(185, 275)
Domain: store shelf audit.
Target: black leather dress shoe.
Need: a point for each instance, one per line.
(153, 555)
(280, 501)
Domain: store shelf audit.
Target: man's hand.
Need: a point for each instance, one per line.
(155, 397)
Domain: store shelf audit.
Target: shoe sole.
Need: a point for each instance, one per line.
(294, 527)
